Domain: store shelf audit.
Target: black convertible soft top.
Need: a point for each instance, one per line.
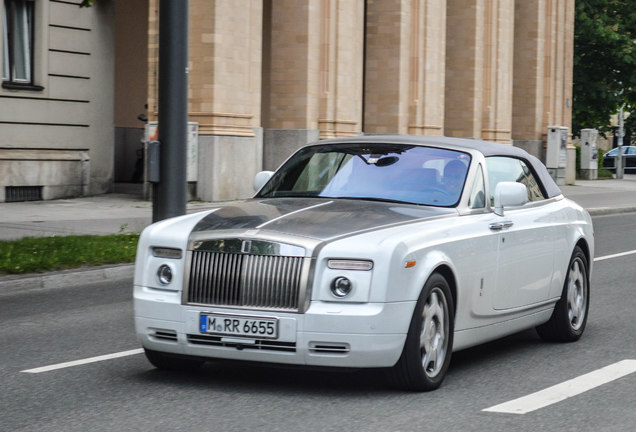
(487, 148)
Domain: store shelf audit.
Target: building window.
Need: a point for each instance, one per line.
(17, 44)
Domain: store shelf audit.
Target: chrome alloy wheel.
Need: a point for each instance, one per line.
(577, 293)
(434, 333)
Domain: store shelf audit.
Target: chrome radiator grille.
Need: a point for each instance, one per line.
(245, 280)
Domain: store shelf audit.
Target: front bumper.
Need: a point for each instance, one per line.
(328, 334)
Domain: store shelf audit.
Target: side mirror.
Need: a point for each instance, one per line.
(509, 194)
(261, 178)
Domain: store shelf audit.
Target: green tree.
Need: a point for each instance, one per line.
(604, 62)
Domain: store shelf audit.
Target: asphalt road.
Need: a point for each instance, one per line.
(41, 327)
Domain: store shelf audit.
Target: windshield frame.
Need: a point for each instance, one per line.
(371, 159)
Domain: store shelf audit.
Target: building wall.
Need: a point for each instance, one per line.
(464, 68)
(268, 76)
(498, 71)
(479, 69)
(492, 69)
(405, 67)
(131, 87)
(58, 139)
(341, 49)
(313, 54)
(224, 92)
(543, 66)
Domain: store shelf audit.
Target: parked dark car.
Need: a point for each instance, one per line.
(629, 159)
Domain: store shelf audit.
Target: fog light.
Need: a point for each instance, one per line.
(164, 274)
(341, 287)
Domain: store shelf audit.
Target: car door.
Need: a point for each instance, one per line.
(525, 257)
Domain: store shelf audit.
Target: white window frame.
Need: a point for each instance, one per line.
(12, 76)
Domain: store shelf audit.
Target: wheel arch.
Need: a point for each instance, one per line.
(585, 247)
(448, 274)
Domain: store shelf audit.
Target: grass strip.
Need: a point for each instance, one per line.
(41, 254)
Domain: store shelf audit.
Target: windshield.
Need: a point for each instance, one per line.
(386, 172)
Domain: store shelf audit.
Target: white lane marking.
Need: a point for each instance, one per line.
(567, 389)
(83, 361)
(606, 257)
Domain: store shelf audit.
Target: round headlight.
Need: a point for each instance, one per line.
(164, 274)
(341, 287)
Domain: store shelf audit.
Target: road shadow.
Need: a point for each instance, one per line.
(237, 376)
(231, 375)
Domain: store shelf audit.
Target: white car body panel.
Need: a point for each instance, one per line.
(503, 280)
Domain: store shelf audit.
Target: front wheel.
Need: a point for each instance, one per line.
(429, 342)
(570, 313)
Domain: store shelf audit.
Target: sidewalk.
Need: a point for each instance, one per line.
(96, 215)
(121, 213)
(601, 197)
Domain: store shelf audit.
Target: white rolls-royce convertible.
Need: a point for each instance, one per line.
(369, 252)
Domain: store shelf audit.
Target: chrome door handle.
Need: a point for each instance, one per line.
(497, 226)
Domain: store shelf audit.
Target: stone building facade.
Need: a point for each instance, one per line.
(56, 103)
(268, 76)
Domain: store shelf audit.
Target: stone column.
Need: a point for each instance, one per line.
(543, 65)
(312, 75)
(427, 67)
(464, 68)
(404, 69)
(479, 69)
(498, 70)
(341, 68)
(291, 77)
(528, 128)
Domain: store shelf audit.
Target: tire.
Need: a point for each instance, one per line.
(168, 362)
(429, 342)
(569, 318)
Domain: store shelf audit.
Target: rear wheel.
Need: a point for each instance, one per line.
(168, 362)
(570, 313)
(427, 351)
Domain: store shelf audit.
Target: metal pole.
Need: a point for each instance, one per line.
(619, 155)
(170, 193)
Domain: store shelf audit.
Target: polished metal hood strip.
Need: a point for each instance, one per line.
(293, 213)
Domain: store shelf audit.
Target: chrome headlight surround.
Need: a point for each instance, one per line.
(165, 274)
(346, 280)
(164, 268)
(341, 287)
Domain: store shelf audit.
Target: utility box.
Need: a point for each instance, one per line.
(556, 155)
(152, 161)
(151, 134)
(589, 154)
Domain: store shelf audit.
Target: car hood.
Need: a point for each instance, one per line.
(318, 218)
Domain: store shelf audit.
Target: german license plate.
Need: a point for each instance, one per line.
(238, 325)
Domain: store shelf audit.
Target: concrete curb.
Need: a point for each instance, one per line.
(75, 277)
(605, 211)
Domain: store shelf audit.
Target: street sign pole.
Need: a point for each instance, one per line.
(619, 155)
(170, 192)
